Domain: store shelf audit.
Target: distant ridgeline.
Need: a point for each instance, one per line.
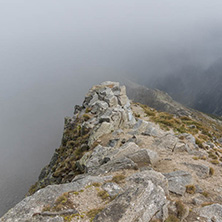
(201, 90)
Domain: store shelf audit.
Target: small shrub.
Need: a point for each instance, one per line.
(96, 184)
(62, 202)
(195, 158)
(92, 213)
(86, 117)
(33, 189)
(62, 199)
(212, 155)
(185, 118)
(211, 171)
(148, 111)
(199, 143)
(88, 110)
(215, 162)
(103, 194)
(118, 178)
(172, 218)
(181, 210)
(205, 194)
(181, 137)
(203, 158)
(46, 208)
(136, 115)
(191, 189)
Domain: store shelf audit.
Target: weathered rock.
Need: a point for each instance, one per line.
(181, 147)
(112, 189)
(199, 199)
(151, 130)
(177, 181)
(140, 202)
(144, 157)
(34, 204)
(116, 165)
(113, 142)
(201, 170)
(168, 141)
(126, 149)
(212, 213)
(157, 178)
(146, 128)
(190, 138)
(91, 161)
(38, 218)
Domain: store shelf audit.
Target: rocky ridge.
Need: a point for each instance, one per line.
(119, 161)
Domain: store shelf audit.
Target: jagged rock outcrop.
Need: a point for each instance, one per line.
(106, 108)
(121, 161)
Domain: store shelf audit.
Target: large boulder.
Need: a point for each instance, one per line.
(178, 180)
(144, 157)
(141, 201)
(202, 171)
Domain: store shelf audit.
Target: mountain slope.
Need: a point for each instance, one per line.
(196, 88)
(123, 161)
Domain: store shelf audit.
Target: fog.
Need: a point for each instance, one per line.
(52, 52)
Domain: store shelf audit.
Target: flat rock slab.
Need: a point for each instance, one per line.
(202, 171)
(177, 181)
(212, 212)
(141, 202)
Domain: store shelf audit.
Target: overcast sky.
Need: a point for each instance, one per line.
(52, 52)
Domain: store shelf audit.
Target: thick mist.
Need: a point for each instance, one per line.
(52, 52)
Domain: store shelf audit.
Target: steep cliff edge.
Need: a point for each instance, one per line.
(124, 161)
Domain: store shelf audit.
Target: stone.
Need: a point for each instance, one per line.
(144, 157)
(190, 138)
(181, 147)
(111, 100)
(150, 130)
(113, 142)
(112, 189)
(146, 128)
(98, 107)
(126, 149)
(104, 119)
(177, 181)
(104, 128)
(198, 200)
(157, 178)
(91, 161)
(140, 202)
(202, 171)
(116, 165)
(212, 212)
(166, 142)
(93, 99)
